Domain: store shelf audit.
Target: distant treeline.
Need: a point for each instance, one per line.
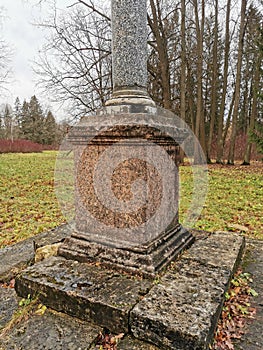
(27, 121)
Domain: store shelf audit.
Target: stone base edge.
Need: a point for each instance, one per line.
(178, 311)
(130, 260)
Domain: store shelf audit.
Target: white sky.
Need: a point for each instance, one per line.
(25, 39)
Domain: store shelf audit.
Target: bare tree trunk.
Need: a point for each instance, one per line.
(190, 96)
(200, 123)
(214, 85)
(228, 120)
(220, 139)
(183, 71)
(157, 28)
(183, 64)
(253, 111)
(231, 154)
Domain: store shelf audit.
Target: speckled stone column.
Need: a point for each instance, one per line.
(129, 52)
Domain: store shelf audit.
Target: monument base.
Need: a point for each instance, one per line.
(146, 260)
(179, 310)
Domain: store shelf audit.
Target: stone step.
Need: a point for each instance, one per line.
(178, 311)
(17, 256)
(82, 290)
(181, 312)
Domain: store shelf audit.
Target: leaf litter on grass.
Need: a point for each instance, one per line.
(237, 310)
(28, 204)
(234, 199)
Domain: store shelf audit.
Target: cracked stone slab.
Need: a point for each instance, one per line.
(212, 250)
(50, 331)
(130, 343)
(85, 291)
(8, 305)
(15, 257)
(182, 311)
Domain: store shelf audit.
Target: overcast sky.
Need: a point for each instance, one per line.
(25, 39)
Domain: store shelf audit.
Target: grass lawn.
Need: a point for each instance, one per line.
(234, 199)
(28, 204)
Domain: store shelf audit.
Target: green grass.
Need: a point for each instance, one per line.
(28, 204)
(234, 197)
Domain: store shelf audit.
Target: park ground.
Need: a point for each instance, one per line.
(28, 204)
(233, 203)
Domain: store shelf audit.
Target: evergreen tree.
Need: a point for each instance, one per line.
(17, 119)
(26, 127)
(50, 129)
(33, 121)
(7, 123)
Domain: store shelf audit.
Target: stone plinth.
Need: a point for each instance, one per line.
(85, 291)
(179, 310)
(182, 311)
(127, 190)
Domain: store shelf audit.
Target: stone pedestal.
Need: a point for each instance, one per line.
(126, 165)
(127, 190)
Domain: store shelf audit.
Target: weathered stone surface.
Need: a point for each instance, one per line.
(181, 312)
(129, 343)
(129, 53)
(8, 304)
(34, 332)
(46, 251)
(220, 249)
(52, 331)
(126, 191)
(147, 260)
(88, 292)
(126, 183)
(129, 43)
(14, 258)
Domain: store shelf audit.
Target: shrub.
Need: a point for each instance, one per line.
(240, 148)
(19, 146)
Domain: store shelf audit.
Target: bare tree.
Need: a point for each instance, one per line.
(231, 154)
(214, 84)
(186, 49)
(75, 64)
(163, 20)
(254, 57)
(5, 60)
(225, 81)
(183, 63)
(199, 26)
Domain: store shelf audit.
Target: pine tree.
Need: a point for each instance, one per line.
(50, 129)
(17, 120)
(8, 122)
(26, 127)
(33, 121)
